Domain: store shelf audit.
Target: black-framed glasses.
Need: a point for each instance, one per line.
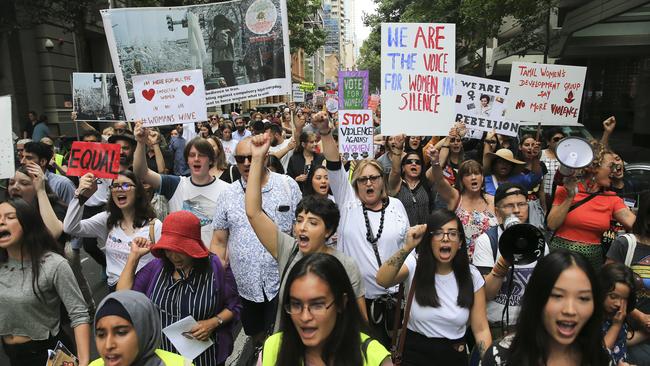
(121, 186)
(511, 206)
(370, 178)
(452, 235)
(412, 161)
(241, 159)
(454, 140)
(296, 307)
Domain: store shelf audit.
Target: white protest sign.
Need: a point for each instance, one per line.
(418, 62)
(170, 98)
(332, 103)
(481, 105)
(550, 94)
(355, 134)
(298, 95)
(7, 167)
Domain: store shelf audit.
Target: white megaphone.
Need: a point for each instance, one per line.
(573, 153)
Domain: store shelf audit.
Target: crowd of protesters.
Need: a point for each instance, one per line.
(259, 221)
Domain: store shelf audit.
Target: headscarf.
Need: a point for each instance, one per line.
(145, 320)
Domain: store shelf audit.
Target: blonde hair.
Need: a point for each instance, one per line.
(362, 164)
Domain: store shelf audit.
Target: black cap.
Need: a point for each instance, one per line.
(502, 191)
(123, 137)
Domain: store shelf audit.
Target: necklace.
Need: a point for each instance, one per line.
(369, 236)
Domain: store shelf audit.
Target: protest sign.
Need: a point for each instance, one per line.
(7, 161)
(550, 94)
(481, 105)
(332, 103)
(373, 102)
(355, 134)
(96, 97)
(298, 94)
(319, 98)
(242, 46)
(418, 62)
(307, 86)
(170, 98)
(103, 160)
(353, 89)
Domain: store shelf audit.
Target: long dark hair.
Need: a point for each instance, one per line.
(36, 241)
(143, 210)
(309, 188)
(304, 138)
(530, 346)
(614, 273)
(466, 168)
(425, 271)
(343, 345)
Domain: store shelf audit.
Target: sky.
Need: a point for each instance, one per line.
(361, 7)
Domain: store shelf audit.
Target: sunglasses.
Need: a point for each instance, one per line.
(370, 178)
(412, 161)
(241, 159)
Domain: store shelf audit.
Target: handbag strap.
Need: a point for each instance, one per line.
(631, 247)
(397, 359)
(397, 317)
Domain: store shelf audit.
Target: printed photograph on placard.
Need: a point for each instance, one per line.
(96, 97)
(235, 43)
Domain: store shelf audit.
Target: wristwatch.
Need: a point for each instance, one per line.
(219, 320)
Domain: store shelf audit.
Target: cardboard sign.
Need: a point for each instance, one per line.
(481, 105)
(355, 134)
(298, 95)
(103, 160)
(418, 62)
(353, 89)
(550, 94)
(170, 98)
(307, 86)
(241, 46)
(7, 168)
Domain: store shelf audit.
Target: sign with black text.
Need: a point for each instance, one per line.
(103, 160)
(355, 134)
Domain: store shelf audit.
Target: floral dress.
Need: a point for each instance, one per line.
(475, 223)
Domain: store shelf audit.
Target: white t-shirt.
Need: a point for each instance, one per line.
(448, 320)
(484, 258)
(229, 149)
(287, 156)
(199, 200)
(351, 234)
(100, 197)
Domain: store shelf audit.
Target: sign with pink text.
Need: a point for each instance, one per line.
(170, 98)
(550, 94)
(418, 62)
(355, 134)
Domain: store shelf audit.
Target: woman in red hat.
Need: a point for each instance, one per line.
(187, 280)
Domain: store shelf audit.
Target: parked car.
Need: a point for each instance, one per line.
(639, 175)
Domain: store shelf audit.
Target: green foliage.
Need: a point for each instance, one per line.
(304, 34)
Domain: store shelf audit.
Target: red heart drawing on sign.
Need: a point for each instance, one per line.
(187, 89)
(148, 94)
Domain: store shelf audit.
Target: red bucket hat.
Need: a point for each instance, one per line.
(181, 232)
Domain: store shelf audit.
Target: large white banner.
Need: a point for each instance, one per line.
(242, 46)
(6, 144)
(418, 62)
(481, 105)
(550, 94)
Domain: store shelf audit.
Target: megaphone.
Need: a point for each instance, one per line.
(573, 153)
(521, 244)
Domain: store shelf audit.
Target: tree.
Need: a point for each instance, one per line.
(533, 17)
(302, 31)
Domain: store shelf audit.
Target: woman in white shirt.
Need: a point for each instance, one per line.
(129, 215)
(449, 292)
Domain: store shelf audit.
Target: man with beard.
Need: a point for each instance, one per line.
(282, 148)
(509, 201)
(127, 148)
(241, 131)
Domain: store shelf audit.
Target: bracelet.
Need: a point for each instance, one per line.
(497, 275)
(444, 147)
(435, 163)
(219, 320)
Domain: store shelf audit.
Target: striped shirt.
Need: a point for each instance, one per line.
(192, 294)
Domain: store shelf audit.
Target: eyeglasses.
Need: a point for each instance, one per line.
(412, 161)
(119, 131)
(452, 235)
(241, 159)
(454, 140)
(370, 178)
(557, 138)
(121, 186)
(297, 307)
(511, 206)
(491, 142)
